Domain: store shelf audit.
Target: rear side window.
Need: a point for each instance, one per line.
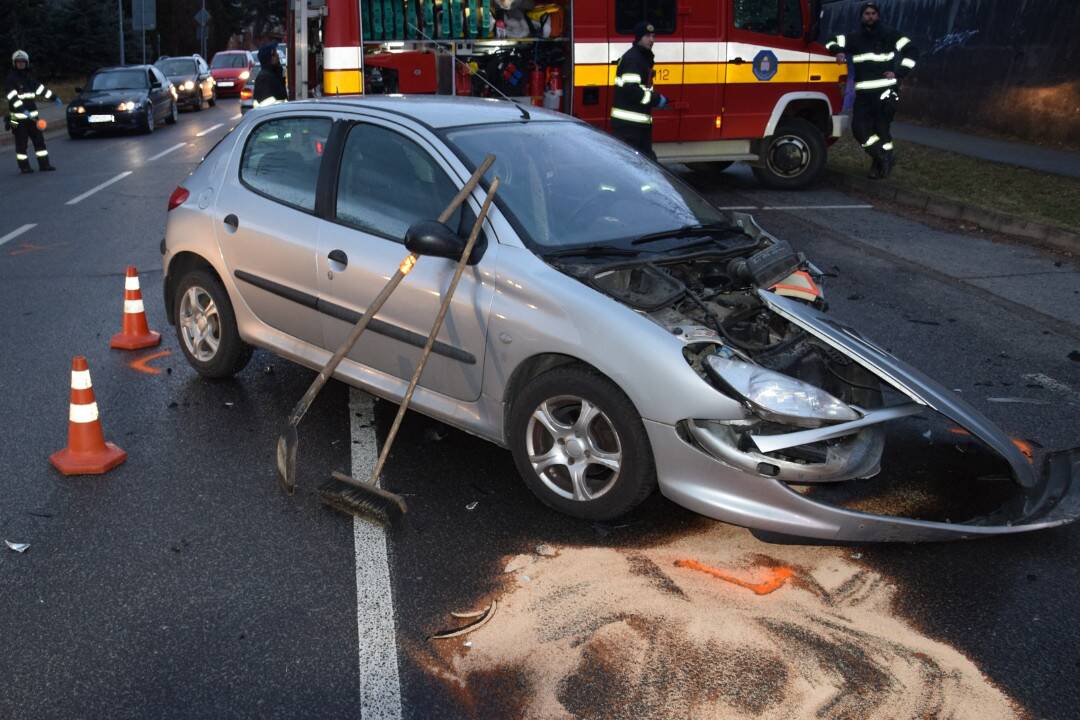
(388, 182)
(660, 13)
(282, 158)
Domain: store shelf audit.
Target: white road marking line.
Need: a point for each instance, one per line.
(163, 153)
(237, 116)
(209, 130)
(102, 186)
(817, 207)
(17, 232)
(739, 207)
(380, 686)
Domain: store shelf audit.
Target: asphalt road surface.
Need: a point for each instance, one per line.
(185, 584)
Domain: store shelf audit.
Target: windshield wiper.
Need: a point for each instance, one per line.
(591, 251)
(687, 230)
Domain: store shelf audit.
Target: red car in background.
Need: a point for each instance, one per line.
(231, 69)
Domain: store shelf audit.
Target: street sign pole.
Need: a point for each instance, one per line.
(142, 6)
(120, 17)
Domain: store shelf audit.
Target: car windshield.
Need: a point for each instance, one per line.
(119, 80)
(177, 66)
(232, 60)
(568, 185)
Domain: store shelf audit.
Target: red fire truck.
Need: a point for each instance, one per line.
(746, 79)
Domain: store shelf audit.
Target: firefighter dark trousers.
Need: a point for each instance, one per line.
(636, 135)
(871, 122)
(24, 131)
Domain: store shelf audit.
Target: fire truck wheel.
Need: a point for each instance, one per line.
(793, 157)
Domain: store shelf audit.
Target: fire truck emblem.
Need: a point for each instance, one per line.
(765, 65)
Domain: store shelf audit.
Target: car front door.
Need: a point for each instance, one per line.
(389, 178)
(159, 94)
(265, 221)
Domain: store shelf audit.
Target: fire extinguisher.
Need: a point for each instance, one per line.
(553, 96)
(536, 85)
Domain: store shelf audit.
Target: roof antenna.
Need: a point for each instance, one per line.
(524, 113)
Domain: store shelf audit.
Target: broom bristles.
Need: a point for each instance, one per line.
(353, 497)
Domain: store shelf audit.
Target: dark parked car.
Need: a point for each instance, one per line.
(134, 97)
(191, 76)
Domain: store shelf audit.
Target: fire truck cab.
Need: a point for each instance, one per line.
(746, 80)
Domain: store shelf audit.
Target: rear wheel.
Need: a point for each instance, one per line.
(580, 445)
(206, 326)
(793, 157)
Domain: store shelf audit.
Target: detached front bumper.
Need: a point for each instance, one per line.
(701, 468)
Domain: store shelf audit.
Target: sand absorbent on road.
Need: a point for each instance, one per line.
(744, 630)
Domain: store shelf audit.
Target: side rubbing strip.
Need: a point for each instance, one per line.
(380, 327)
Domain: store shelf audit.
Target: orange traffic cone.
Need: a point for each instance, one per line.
(135, 334)
(86, 453)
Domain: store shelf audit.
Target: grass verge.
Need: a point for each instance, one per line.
(1024, 193)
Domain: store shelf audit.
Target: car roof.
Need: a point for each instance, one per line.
(440, 111)
(117, 68)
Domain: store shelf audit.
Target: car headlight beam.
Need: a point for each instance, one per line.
(189, 84)
(126, 106)
(781, 397)
(245, 75)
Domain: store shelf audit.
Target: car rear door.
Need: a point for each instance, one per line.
(390, 177)
(265, 220)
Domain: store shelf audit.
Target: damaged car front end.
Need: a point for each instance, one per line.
(821, 404)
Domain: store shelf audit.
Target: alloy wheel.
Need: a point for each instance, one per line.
(574, 448)
(200, 324)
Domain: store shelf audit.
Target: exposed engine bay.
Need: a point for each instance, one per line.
(818, 397)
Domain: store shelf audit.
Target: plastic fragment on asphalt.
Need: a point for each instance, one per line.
(468, 643)
(856, 556)
(546, 550)
(519, 562)
(484, 620)
(17, 547)
(777, 576)
(472, 505)
(228, 404)
(1017, 401)
(470, 614)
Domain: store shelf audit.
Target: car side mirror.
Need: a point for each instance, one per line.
(434, 239)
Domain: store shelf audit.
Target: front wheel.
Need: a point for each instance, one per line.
(206, 326)
(173, 115)
(150, 121)
(580, 445)
(213, 98)
(793, 157)
(76, 134)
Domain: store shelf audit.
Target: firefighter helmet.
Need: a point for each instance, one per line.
(20, 55)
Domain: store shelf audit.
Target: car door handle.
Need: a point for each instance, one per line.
(232, 221)
(738, 61)
(339, 257)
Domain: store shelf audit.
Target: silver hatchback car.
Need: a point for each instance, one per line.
(615, 332)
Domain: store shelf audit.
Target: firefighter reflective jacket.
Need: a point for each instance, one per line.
(634, 96)
(874, 52)
(22, 92)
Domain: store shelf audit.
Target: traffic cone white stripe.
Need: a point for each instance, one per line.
(132, 307)
(83, 413)
(131, 283)
(80, 380)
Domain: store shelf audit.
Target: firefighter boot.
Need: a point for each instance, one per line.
(888, 160)
(878, 167)
(875, 169)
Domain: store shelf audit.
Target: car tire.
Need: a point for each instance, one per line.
(76, 134)
(173, 116)
(150, 122)
(615, 436)
(213, 99)
(206, 326)
(793, 157)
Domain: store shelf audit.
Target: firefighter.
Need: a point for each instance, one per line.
(270, 83)
(881, 57)
(22, 91)
(631, 112)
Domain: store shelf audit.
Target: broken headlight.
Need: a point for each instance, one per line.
(779, 397)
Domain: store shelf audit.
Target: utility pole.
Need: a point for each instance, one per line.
(120, 16)
(142, 14)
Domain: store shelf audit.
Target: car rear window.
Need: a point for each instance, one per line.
(282, 158)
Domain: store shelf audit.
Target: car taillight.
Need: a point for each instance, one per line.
(179, 197)
(246, 94)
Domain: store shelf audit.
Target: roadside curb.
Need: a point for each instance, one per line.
(991, 220)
